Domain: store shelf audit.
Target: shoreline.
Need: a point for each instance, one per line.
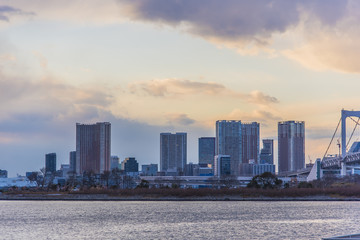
(103, 197)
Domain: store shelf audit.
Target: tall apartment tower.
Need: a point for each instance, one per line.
(50, 162)
(229, 142)
(267, 152)
(206, 150)
(72, 161)
(250, 142)
(173, 153)
(291, 141)
(93, 147)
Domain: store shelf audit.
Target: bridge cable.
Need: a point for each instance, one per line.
(332, 138)
(357, 123)
(354, 120)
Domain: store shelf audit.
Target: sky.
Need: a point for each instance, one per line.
(152, 66)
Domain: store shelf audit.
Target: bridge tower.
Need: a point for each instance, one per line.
(344, 115)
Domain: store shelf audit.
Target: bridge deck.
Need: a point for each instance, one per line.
(335, 161)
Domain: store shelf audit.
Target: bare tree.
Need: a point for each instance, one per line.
(72, 181)
(34, 177)
(116, 177)
(106, 177)
(229, 181)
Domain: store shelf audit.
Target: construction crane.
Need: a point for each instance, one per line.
(339, 145)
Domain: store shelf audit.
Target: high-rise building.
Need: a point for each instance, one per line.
(173, 153)
(50, 162)
(114, 162)
(291, 144)
(206, 150)
(267, 152)
(93, 147)
(130, 165)
(72, 161)
(250, 141)
(229, 142)
(222, 165)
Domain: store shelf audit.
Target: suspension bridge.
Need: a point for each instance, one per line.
(344, 160)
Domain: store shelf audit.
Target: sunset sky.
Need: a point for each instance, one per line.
(151, 66)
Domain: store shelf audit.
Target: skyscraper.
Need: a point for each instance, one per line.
(72, 161)
(229, 142)
(267, 152)
(93, 142)
(173, 153)
(50, 162)
(250, 141)
(291, 140)
(206, 150)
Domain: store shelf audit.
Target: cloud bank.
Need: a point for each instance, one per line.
(326, 32)
(319, 35)
(239, 21)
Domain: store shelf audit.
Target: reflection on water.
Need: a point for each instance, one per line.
(176, 220)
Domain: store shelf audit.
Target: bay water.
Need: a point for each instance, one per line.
(177, 219)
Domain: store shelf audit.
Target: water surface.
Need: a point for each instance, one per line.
(176, 220)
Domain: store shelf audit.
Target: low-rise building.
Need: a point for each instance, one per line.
(6, 183)
(222, 165)
(65, 169)
(252, 169)
(130, 165)
(3, 174)
(149, 169)
(114, 162)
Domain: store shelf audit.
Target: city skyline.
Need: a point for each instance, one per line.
(105, 132)
(147, 71)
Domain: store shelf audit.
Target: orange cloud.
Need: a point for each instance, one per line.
(176, 87)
